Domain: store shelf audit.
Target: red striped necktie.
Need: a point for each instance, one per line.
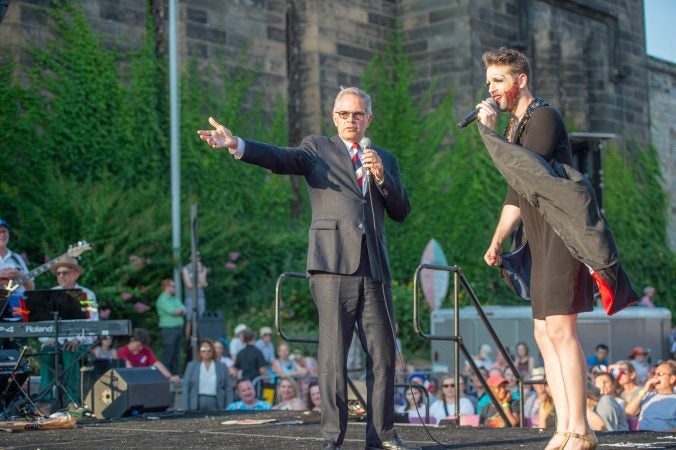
(356, 164)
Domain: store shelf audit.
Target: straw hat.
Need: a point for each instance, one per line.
(67, 261)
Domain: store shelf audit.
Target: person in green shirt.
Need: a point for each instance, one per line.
(171, 313)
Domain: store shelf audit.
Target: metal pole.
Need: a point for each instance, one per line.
(175, 113)
(195, 280)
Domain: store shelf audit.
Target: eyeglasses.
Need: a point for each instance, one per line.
(205, 349)
(63, 273)
(448, 385)
(358, 115)
(659, 374)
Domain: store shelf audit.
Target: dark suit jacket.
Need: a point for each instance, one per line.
(339, 211)
(191, 384)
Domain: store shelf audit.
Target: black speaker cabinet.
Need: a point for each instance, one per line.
(211, 326)
(120, 392)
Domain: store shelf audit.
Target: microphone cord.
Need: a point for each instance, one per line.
(390, 314)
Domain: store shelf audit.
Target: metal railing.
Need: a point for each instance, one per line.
(280, 331)
(459, 279)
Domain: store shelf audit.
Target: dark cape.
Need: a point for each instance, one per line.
(566, 200)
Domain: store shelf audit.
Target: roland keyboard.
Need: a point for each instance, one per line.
(67, 328)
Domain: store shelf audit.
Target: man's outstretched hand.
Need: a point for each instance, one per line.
(219, 137)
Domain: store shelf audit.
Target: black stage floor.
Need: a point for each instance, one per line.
(288, 431)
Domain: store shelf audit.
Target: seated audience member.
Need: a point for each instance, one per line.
(600, 356)
(538, 402)
(284, 366)
(415, 404)
(419, 378)
(313, 401)
(250, 361)
(594, 420)
(105, 349)
(523, 361)
(486, 399)
(220, 356)
(499, 363)
(547, 411)
(639, 359)
(512, 383)
(655, 404)
(237, 342)
(206, 382)
(625, 377)
(288, 396)
(607, 407)
(445, 405)
(489, 416)
(476, 391)
(247, 399)
(137, 354)
(482, 359)
(306, 363)
(265, 345)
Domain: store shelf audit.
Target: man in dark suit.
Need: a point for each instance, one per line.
(347, 258)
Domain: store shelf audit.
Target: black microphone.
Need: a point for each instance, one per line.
(471, 117)
(364, 144)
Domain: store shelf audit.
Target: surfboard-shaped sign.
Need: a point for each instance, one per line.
(434, 282)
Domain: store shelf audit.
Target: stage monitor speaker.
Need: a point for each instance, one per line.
(121, 392)
(211, 326)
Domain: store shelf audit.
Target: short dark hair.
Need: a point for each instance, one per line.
(515, 60)
(248, 335)
(602, 347)
(141, 335)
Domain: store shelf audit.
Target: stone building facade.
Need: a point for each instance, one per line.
(588, 56)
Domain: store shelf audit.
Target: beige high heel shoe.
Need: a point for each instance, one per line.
(590, 438)
(560, 446)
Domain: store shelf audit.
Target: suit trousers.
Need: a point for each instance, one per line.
(342, 301)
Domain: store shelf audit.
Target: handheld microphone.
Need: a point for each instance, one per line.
(471, 117)
(364, 144)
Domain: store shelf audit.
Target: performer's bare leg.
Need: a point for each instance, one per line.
(554, 376)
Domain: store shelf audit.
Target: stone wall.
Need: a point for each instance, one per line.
(588, 56)
(663, 129)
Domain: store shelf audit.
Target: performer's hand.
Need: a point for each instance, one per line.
(219, 137)
(71, 345)
(10, 273)
(374, 164)
(492, 256)
(487, 114)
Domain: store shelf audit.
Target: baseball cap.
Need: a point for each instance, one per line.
(239, 328)
(4, 224)
(496, 380)
(265, 330)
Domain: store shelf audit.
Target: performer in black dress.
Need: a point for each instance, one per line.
(561, 286)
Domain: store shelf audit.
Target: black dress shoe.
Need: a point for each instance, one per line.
(330, 445)
(394, 444)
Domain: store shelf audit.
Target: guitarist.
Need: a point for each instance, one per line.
(67, 271)
(12, 265)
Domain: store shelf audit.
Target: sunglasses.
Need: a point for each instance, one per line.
(448, 385)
